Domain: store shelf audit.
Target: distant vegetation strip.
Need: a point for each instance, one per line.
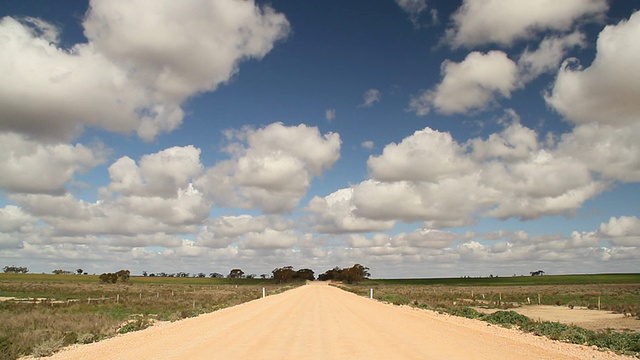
(517, 280)
(133, 279)
(467, 281)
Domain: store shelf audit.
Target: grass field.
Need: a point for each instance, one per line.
(52, 311)
(615, 292)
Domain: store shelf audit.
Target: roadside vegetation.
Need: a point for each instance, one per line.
(618, 293)
(48, 312)
(627, 342)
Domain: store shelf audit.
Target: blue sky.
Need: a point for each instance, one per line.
(416, 137)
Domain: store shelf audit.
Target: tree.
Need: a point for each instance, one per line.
(144, 273)
(355, 274)
(235, 274)
(351, 275)
(79, 271)
(305, 274)
(15, 269)
(123, 275)
(333, 274)
(108, 278)
(283, 274)
(216, 275)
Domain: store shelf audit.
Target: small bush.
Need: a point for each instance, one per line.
(86, 338)
(174, 316)
(140, 323)
(627, 342)
(558, 331)
(506, 318)
(394, 299)
(466, 312)
(47, 347)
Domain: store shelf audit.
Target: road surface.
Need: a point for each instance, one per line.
(318, 321)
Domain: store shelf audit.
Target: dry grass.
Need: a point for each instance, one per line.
(620, 298)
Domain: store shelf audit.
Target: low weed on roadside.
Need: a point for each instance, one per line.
(627, 343)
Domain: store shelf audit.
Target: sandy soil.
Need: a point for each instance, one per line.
(584, 318)
(322, 322)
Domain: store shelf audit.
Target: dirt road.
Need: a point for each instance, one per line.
(322, 322)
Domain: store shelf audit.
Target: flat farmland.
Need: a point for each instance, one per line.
(41, 313)
(223, 319)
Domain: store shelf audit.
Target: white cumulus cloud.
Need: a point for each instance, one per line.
(13, 219)
(472, 84)
(159, 174)
(432, 178)
(271, 168)
(502, 22)
(30, 166)
(607, 91)
(141, 62)
(548, 56)
(622, 231)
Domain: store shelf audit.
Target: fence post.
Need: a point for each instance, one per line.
(538, 299)
(263, 293)
(598, 302)
(371, 293)
(117, 298)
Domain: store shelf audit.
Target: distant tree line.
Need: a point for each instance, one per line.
(61, 272)
(15, 269)
(354, 274)
(284, 274)
(287, 274)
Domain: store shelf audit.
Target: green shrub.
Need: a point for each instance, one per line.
(627, 341)
(465, 311)
(140, 323)
(506, 318)
(394, 299)
(558, 331)
(577, 335)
